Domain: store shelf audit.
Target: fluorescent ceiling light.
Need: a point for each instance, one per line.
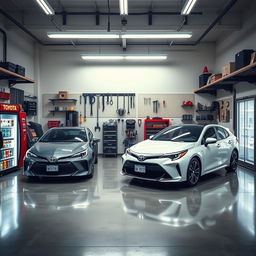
(124, 57)
(46, 7)
(156, 35)
(83, 35)
(117, 35)
(188, 7)
(123, 7)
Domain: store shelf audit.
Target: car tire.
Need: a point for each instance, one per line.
(193, 172)
(233, 162)
(92, 172)
(96, 159)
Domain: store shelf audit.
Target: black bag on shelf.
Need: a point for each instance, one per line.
(8, 65)
(243, 58)
(203, 79)
(20, 70)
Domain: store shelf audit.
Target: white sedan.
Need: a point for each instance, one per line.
(182, 153)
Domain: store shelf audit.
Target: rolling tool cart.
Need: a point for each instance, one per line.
(110, 139)
(131, 133)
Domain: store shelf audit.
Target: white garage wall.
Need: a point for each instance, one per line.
(227, 47)
(64, 70)
(20, 50)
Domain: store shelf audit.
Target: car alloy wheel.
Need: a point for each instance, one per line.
(233, 161)
(194, 172)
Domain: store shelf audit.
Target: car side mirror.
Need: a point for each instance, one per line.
(210, 141)
(151, 136)
(96, 140)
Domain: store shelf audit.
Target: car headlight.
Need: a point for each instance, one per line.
(128, 152)
(80, 154)
(30, 154)
(176, 156)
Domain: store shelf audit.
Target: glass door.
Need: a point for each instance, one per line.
(9, 154)
(245, 130)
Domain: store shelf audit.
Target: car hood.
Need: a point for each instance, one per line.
(57, 149)
(160, 147)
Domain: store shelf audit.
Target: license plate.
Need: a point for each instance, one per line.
(52, 168)
(140, 168)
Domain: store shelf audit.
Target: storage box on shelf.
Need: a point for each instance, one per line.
(110, 138)
(153, 126)
(245, 74)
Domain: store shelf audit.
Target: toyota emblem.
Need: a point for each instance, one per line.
(52, 159)
(141, 158)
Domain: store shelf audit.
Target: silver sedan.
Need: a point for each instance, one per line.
(62, 152)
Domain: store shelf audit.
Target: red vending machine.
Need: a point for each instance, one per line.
(13, 126)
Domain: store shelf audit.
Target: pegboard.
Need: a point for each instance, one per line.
(109, 112)
(173, 105)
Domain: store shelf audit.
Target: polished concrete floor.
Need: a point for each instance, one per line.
(113, 215)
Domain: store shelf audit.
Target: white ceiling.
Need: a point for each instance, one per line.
(29, 13)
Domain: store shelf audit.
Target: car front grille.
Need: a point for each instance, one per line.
(153, 171)
(65, 168)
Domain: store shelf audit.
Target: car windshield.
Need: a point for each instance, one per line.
(188, 133)
(65, 135)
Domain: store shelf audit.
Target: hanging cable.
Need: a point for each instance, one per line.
(108, 16)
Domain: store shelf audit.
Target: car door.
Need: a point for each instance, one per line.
(225, 146)
(210, 152)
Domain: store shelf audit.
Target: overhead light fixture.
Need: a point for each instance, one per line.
(46, 7)
(123, 7)
(188, 7)
(83, 35)
(117, 34)
(155, 35)
(114, 57)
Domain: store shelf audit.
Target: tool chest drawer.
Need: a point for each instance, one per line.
(110, 138)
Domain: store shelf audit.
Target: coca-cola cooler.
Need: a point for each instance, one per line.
(13, 126)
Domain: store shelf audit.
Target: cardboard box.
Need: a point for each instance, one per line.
(228, 69)
(63, 95)
(214, 77)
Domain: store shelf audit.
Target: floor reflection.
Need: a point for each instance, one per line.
(76, 195)
(199, 205)
(246, 201)
(8, 205)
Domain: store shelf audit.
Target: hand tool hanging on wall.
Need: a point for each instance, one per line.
(128, 109)
(80, 99)
(155, 106)
(80, 119)
(139, 122)
(111, 100)
(85, 101)
(107, 99)
(103, 103)
(97, 127)
(91, 101)
(131, 101)
(164, 103)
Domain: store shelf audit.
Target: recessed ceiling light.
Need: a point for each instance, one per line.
(113, 57)
(46, 7)
(188, 7)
